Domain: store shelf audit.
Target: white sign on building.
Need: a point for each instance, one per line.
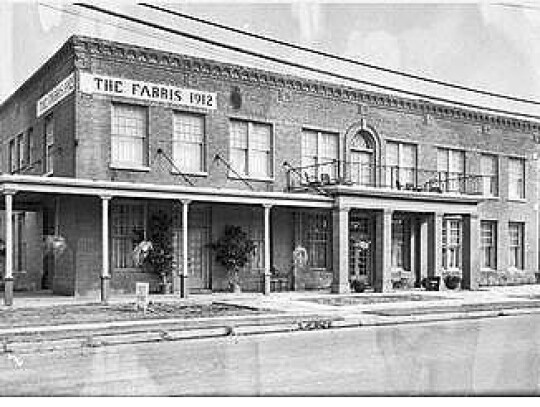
(57, 94)
(106, 85)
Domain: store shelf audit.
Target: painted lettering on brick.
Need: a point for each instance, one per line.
(56, 95)
(104, 85)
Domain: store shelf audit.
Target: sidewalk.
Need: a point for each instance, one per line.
(83, 322)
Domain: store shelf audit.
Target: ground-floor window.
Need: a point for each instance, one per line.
(401, 243)
(128, 222)
(451, 243)
(488, 236)
(316, 237)
(516, 232)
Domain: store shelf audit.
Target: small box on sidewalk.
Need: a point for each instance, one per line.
(142, 291)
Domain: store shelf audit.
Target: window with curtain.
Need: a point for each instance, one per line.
(188, 142)
(515, 245)
(488, 243)
(401, 164)
(251, 148)
(490, 175)
(319, 154)
(516, 178)
(451, 169)
(128, 228)
(451, 244)
(129, 135)
(49, 144)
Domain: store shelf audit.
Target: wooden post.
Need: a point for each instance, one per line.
(267, 271)
(184, 276)
(105, 274)
(8, 277)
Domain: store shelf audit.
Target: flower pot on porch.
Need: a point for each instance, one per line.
(235, 288)
(452, 282)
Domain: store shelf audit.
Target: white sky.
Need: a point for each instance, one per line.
(484, 45)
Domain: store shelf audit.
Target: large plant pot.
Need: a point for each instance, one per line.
(452, 282)
(235, 288)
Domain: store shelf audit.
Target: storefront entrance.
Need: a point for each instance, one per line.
(361, 247)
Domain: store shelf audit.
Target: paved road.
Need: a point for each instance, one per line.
(499, 355)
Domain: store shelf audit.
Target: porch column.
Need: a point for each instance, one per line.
(471, 246)
(434, 263)
(105, 274)
(267, 271)
(184, 276)
(8, 276)
(340, 249)
(383, 251)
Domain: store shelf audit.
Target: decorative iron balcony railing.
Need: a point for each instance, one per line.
(386, 177)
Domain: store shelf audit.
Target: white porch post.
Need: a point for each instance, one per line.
(105, 274)
(267, 271)
(8, 277)
(184, 276)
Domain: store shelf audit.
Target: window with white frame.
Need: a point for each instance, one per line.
(13, 157)
(251, 149)
(488, 242)
(516, 178)
(451, 169)
(21, 149)
(401, 243)
(451, 243)
(49, 144)
(188, 142)
(128, 228)
(515, 245)
(319, 154)
(30, 142)
(401, 167)
(129, 131)
(490, 174)
(316, 237)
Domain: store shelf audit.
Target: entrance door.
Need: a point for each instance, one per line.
(361, 247)
(198, 250)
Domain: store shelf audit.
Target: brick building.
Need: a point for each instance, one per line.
(332, 183)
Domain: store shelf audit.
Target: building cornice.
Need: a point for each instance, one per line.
(227, 71)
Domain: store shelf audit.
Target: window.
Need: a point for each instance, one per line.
(490, 175)
(128, 222)
(316, 231)
(516, 178)
(13, 157)
(21, 149)
(401, 243)
(188, 142)
(488, 238)
(451, 244)
(400, 165)
(515, 232)
(362, 155)
(49, 145)
(129, 136)
(451, 169)
(251, 149)
(30, 142)
(319, 154)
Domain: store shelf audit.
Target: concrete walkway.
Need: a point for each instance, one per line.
(288, 312)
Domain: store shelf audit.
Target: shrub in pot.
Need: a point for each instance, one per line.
(358, 285)
(452, 282)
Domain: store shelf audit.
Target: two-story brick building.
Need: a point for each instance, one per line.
(105, 136)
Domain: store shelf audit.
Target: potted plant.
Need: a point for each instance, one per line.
(452, 281)
(233, 250)
(358, 284)
(157, 252)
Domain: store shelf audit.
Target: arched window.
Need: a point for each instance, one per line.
(362, 159)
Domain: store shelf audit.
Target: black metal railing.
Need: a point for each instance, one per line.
(385, 177)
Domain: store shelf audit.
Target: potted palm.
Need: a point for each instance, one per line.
(233, 250)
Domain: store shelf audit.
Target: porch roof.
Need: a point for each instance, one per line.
(122, 189)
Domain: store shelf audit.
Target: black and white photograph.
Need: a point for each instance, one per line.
(269, 198)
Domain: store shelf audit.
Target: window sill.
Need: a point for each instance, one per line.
(127, 167)
(517, 200)
(191, 174)
(491, 197)
(248, 178)
(48, 174)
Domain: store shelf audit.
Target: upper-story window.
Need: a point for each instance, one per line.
(251, 149)
(516, 178)
(362, 164)
(21, 149)
(188, 142)
(49, 145)
(490, 175)
(13, 157)
(319, 155)
(451, 169)
(30, 142)
(401, 167)
(129, 135)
